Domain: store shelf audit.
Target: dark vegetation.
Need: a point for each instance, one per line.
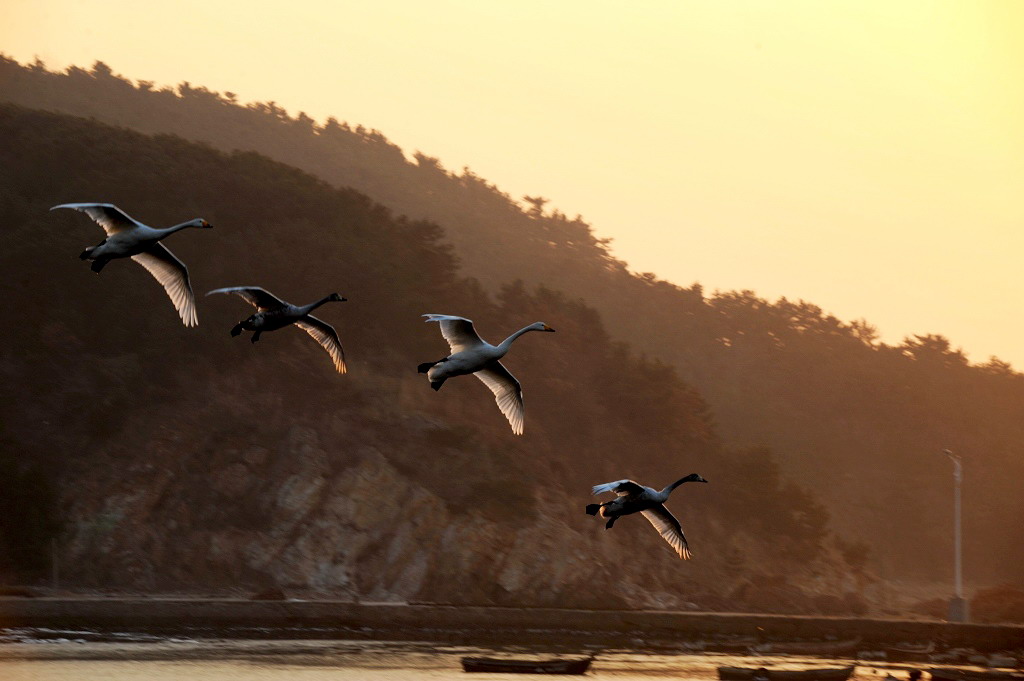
(100, 371)
(857, 421)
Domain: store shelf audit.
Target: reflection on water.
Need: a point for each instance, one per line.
(41, 655)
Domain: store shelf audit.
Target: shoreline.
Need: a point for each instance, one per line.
(468, 623)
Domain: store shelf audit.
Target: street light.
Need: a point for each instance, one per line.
(957, 604)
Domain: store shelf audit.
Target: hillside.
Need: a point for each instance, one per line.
(160, 457)
(859, 420)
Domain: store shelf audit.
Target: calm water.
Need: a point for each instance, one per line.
(28, 658)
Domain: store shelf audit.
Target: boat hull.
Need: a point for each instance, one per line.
(818, 674)
(492, 665)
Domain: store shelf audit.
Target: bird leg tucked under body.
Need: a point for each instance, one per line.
(426, 366)
(598, 509)
(255, 336)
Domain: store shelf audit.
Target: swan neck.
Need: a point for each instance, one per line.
(176, 228)
(668, 490)
(306, 309)
(507, 343)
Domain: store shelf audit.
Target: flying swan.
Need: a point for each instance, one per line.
(473, 355)
(129, 238)
(272, 313)
(634, 497)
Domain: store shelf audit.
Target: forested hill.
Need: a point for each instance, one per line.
(161, 457)
(859, 420)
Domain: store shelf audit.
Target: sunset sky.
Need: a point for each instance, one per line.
(865, 156)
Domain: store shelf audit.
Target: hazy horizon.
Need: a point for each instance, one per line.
(865, 157)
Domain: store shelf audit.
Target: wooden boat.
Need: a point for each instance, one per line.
(813, 674)
(511, 666)
(941, 674)
(824, 648)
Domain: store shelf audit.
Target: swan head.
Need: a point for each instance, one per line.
(541, 326)
(693, 477)
(200, 223)
(336, 298)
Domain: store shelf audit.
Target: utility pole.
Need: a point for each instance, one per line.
(958, 611)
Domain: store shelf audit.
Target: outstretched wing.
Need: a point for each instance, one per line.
(621, 487)
(324, 334)
(256, 296)
(669, 529)
(108, 216)
(173, 276)
(507, 392)
(458, 331)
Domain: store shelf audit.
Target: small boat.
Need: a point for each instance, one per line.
(512, 666)
(813, 674)
(824, 648)
(942, 674)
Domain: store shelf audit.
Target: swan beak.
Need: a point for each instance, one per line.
(206, 225)
(548, 328)
(701, 480)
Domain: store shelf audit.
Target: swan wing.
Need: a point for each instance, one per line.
(256, 296)
(108, 216)
(458, 331)
(669, 529)
(621, 487)
(173, 276)
(507, 392)
(324, 334)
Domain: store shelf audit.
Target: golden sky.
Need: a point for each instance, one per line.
(867, 156)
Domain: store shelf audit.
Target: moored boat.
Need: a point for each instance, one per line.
(812, 674)
(513, 666)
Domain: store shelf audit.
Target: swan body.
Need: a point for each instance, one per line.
(129, 238)
(272, 313)
(470, 354)
(633, 497)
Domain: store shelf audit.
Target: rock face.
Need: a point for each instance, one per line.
(313, 520)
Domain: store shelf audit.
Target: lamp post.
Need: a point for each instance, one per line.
(957, 604)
